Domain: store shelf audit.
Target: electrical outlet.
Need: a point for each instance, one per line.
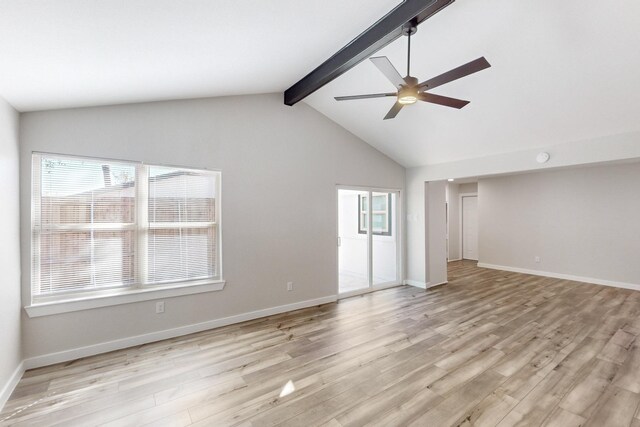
(537, 259)
(160, 307)
(289, 286)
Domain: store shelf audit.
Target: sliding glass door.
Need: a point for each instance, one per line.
(368, 240)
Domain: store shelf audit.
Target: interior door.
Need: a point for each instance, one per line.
(470, 227)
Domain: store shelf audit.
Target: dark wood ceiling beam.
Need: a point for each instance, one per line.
(380, 34)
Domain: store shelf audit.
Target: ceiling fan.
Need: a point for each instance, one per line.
(409, 89)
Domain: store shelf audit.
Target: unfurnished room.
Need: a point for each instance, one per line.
(319, 213)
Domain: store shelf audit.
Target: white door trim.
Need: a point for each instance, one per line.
(460, 208)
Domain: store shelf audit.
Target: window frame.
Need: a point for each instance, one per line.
(362, 222)
(139, 290)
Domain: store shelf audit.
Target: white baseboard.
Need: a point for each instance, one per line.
(452, 260)
(11, 385)
(429, 285)
(416, 284)
(91, 350)
(422, 285)
(571, 277)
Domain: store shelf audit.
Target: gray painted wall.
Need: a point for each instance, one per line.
(582, 222)
(10, 347)
(435, 197)
(280, 166)
(416, 253)
(470, 187)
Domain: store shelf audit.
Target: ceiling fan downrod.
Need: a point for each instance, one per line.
(409, 55)
(409, 29)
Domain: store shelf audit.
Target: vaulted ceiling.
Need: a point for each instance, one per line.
(69, 53)
(561, 71)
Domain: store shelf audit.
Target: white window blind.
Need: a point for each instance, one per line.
(182, 225)
(103, 224)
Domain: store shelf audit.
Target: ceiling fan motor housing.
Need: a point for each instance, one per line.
(411, 81)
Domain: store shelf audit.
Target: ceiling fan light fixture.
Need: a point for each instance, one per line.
(407, 96)
(407, 99)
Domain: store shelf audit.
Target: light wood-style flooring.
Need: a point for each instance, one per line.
(490, 348)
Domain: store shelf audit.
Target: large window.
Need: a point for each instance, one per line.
(101, 225)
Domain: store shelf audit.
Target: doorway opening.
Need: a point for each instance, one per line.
(470, 227)
(462, 221)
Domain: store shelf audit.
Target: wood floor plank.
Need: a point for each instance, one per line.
(587, 391)
(627, 377)
(616, 408)
(453, 410)
(561, 418)
(491, 410)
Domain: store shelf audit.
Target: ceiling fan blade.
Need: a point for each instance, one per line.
(372, 95)
(442, 100)
(394, 111)
(387, 68)
(455, 74)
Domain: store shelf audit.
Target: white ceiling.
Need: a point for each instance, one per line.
(70, 53)
(562, 71)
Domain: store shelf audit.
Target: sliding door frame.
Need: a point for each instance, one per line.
(399, 240)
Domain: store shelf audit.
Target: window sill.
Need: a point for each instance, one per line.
(120, 297)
